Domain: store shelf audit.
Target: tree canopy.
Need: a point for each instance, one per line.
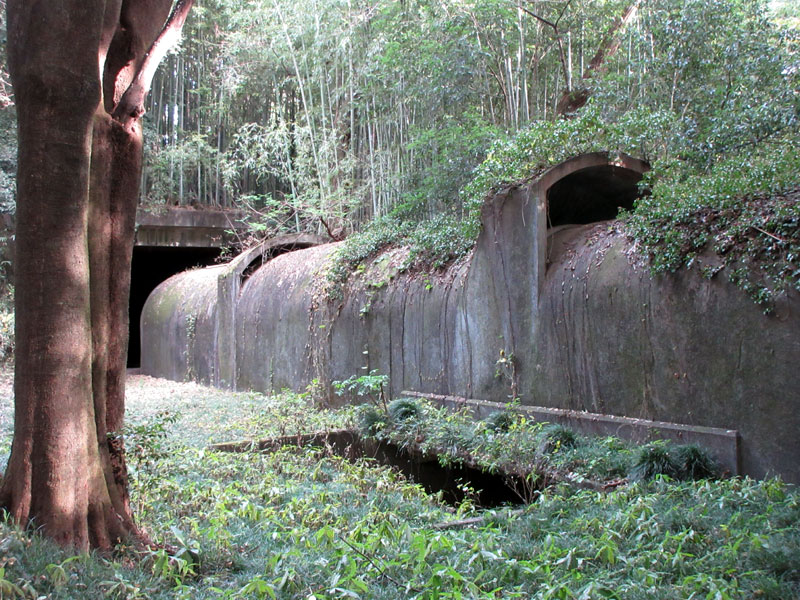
(351, 110)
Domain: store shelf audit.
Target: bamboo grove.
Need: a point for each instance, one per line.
(323, 114)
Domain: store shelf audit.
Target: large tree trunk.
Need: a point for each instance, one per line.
(73, 64)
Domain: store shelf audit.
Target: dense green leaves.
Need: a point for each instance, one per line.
(298, 523)
(742, 216)
(364, 106)
(327, 114)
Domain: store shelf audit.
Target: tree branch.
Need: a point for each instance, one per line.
(540, 19)
(557, 34)
(571, 100)
(131, 105)
(612, 40)
(335, 238)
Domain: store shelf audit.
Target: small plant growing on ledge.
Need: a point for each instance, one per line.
(500, 421)
(371, 386)
(682, 462)
(404, 409)
(557, 437)
(655, 459)
(696, 463)
(370, 420)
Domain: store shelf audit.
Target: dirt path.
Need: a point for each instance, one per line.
(204, 414)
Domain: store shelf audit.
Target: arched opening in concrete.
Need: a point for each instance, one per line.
(592, 194)
(588, 188)
(273, 248)
(250, 261)
(150, 266)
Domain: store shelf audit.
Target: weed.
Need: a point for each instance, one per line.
(371, 386)
(500, 421)
(695, 462)
(370, 420)
(655, 459)
(404, 409)
(557, 437)
(146, 446)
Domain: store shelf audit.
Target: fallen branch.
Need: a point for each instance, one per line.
(471, 522)
(773, 236)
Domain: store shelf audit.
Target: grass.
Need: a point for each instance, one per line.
(301, 524)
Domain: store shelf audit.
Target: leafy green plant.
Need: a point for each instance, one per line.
(740, 216)
(147, 445)
(695, 462)
(432, 244)
(500, 421)
(557, 437)
(370, 420)
(371, 386)
(404, 409)
(655, 459)
(9, 589)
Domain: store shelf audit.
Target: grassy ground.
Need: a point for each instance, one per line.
(300, 524)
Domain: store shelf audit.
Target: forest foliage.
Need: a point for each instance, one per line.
(302, 523)
(351, 110)
(330, 115)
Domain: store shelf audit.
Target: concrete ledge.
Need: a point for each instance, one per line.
(186, 227)
(722, 443)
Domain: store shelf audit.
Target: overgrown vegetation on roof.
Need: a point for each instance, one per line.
(743, 209)
(740, 220)
(708, 95)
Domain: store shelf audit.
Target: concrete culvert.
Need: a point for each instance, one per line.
(188, 320)
(151, 266)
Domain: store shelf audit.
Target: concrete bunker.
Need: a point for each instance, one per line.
(170, 241)
(593, 334)
(256, 258)
(150, 266)
(583, 190)
(197, 310)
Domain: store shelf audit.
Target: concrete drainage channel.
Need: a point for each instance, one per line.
(454, 482)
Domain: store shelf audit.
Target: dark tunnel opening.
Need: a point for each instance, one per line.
(150, 266)
(592, 194)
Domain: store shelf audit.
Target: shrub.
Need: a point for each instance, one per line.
(557, 437)
(741, 215)
(500, 421)
(370, 420)
(404, 409)
(695, 462)
(655, 459)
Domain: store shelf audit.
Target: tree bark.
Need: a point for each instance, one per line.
(71, 62)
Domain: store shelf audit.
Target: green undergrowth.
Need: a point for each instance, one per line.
(510, 443)
(432, 244)
(300, 523)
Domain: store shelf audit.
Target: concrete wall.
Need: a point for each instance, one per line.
(572, 314)
(188, 228)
